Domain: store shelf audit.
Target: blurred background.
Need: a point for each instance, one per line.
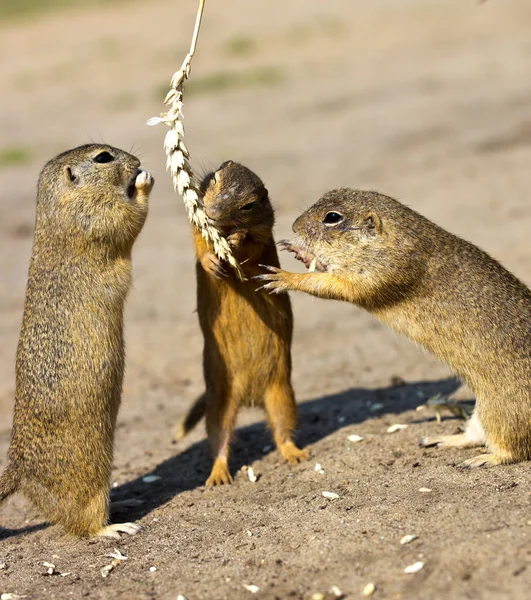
(428, 101)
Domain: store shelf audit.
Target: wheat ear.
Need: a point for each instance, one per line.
(178, 157)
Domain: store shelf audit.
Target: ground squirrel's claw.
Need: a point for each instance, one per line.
(284, 245)
(271, 288)
(269, 268)
(220, 272)
(214, 266)
(275, 284)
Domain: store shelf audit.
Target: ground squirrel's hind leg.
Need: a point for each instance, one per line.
(279, 402)
(220, 418)
(89, 518)
(195, 413)
(473, 437)
(9, 482)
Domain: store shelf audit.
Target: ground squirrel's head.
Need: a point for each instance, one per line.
(235, 198)
(358, 231)
(95, 192)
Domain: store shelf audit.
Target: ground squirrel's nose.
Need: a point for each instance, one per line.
(213, 212)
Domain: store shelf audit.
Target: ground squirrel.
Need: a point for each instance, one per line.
(440, 291)
(91, 206)
(247, 351)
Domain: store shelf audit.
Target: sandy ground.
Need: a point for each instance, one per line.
(427, 101)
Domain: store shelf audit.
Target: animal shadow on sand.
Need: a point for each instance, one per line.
(317, 419)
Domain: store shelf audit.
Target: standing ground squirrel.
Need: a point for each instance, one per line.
(440, 291)
(91, 206)
(247, 351)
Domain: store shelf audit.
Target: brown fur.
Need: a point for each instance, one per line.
(247, 352)
(70, 357)
(437, 289)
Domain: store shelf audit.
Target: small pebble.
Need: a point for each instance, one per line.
(414, 568)
(396, 427)
(106, 570)
(152, 569)
(318, 469)
(150, 478)
(330, 495)
(376, 406)
(369, 590)
(407, 539)
(117, 554)
(254, 589)
(354, 438)
(425, 490)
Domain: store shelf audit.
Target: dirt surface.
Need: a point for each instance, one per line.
(427, 101)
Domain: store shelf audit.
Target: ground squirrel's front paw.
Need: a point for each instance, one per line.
(213, 265)
(144, 182)
(113, 531)
(277, 280)
(292, 454)
(237, 238)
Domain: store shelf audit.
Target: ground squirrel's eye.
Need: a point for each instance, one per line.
(248, 206)
(104, 157)
(331, 218)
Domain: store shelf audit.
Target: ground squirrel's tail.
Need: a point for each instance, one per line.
(9, 483)
(195, 413)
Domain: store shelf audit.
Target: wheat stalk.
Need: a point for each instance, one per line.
(178, 157)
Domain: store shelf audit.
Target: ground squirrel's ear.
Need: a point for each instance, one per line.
(69, 175)
(217, 174)
(372, 223)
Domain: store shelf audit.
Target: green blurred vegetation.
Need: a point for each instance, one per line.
(240, 45)
(14, 155)
(229, 80)
(19, 9)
